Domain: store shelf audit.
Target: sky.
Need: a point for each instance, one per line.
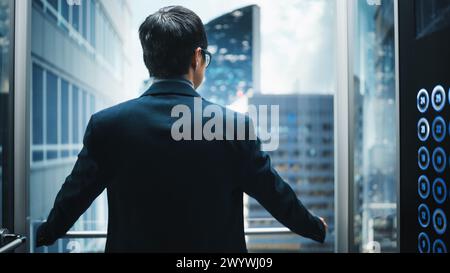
(298, 39)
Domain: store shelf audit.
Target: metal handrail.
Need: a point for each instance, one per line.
(248, 232)
(17, 241)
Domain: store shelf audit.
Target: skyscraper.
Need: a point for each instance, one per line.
(234, 41)
(79, 65)
(305, 159)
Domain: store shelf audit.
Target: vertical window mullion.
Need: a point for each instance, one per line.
(58, 13)
(70, 15)
(88, 19)
(31, 124)
(80, 18)
(44, 116)
(70, 142)
(58, 118)
(80, 117)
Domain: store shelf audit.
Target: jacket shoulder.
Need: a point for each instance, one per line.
(115, 112)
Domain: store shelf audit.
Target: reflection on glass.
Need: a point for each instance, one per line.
(431, 16)
(374, 133)
(5, 95)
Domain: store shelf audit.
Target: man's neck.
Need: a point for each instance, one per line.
(184, 79)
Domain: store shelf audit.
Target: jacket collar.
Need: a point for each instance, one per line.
(171, 87)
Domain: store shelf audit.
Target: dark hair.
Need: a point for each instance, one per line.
(169, 38)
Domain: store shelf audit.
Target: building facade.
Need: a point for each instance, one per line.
(79, 65)
(305, 159)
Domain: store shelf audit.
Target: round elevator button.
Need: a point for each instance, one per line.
(424, 216)
(438, 98)
(423, 129)
(439, 159)
(424, 243)
(439, 129)
(439, 191)
(423, 158)
(423, 101)
(439, 221)
(424, 187)
(439, 247)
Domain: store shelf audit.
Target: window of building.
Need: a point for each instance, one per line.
(38, 105)
(65, 119)
(51, 108)
(92, 22)
(52, 7)
(60, 112)
(76, 17)
(83, 20)
(65, 10)
(76, 115)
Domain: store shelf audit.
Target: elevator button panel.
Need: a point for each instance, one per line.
(433, 131)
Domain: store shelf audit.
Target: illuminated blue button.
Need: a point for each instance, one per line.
(424, 243)
(439, 160)
(423, 101)
(423, 158)
(449, 94)
(424, 187)
(439, 221)
(424, 216)
(438, 98)
(423, 129)
(439, 129)
(439, 191)
(439, 247)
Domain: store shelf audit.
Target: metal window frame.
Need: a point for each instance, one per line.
(7, 191)
(343, 137)
(22, 72)
(344, 116)
(397, 119)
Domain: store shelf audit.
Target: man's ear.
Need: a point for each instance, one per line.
(196, 58)
(194, 63)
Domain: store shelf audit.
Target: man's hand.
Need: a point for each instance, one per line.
(324, 223)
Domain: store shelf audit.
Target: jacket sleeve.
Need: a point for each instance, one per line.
(80, 189)
(274, 194)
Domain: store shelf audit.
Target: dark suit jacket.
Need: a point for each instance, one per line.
(166, 195)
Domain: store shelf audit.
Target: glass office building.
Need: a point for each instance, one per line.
(79, 66)
(304, 159)
(234, 41)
